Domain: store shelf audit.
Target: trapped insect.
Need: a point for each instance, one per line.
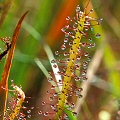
(7, 42)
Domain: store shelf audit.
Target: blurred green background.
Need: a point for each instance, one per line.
(42, 26)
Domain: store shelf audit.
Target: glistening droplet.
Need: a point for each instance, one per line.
(28, 111)
(68, 18)
(83, 44)
(29, 116)
(46, 114)
(85, 63)
(98, 35)
(92, 29)
(66, 40)
(53, 61)
(66, 54)
(74, 113)
(86, 54)
(56, 52)
(90, 39)
(63, 29)
(91, 10)
(77, 9)
(39, 112)
(75, 25)
(63, 47)
(55, 66)
(50, 79)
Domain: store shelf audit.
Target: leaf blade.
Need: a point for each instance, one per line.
(7, 67)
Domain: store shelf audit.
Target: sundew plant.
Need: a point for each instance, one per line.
(68, 73)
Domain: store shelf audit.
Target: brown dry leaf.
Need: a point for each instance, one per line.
(6, 72)
(60, 20)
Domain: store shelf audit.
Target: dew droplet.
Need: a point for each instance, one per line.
(92, 29)
(78, 79)
(98, 35)
(69, 108)
(83, 44)
(22, 115)
(93, 45)
(68, 59)
(24, 107)
(53, 61)
(63, 47)
(55, 66)
(50, 79)
(32, 108)
(80, 89)
(88, 22)
(28, 111)
(51, 98)
(86, 28)
(91, 10)
(70, 33)
(53, 87)
(43, 103)
(39, 112)
(12, 81)
(56, 52)
(85, 78)
(80, 96)
(66, 117)
(46, 114)
(55, 94)
(72, 105)
(78, 57)
(66, 54)
(90, 39)
(86, 54)
(75, 25)
(77, 9)
(83, 72)
(67, 26)
(84, 67)
(74, 113)
(66, 35)
(63, 29)
(99, 21)
(29, 116)
(89, 58)
(53, 107)
(70, 43)
(66, 40)
(89, 45)
(68, 18)
(85, 63)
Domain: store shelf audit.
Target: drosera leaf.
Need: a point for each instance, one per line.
(82, 24)
(70, 65)
(6, 71)
(20, 100)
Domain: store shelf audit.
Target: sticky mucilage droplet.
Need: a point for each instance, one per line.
(97, 35)
(63, 47)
